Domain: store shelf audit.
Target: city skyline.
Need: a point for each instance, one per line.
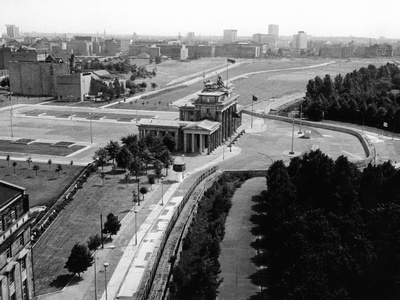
(207, 18)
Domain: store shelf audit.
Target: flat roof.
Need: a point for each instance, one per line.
(8, 191)
(215, 93)
(160, 122)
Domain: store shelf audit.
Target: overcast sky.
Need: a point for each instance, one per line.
(361, 18)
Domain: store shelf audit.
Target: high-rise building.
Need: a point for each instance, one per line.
(12, 31)
(190, 35)
(273, 29)
(230, 36)
(300, 40)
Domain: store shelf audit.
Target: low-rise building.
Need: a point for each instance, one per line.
(152, 51)
(238, 50)
(204, 123)
(80, 47)
(184, 53)
(36, 78)
(198, 51)
(73, 87)
(112, 47)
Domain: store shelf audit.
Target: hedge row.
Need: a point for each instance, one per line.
(196, 274)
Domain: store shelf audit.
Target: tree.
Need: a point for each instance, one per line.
(315, 110)
(111, 225)
(157, 59)
(112, 148)
(94, 242)
(14, 164)
(49, 162)
(136, 167)
(158, 165)
(167, 159)
(101, 157)
(29, 160)
(147, 157)
(117, 87)
(35, 168)
(5, 82)
(8, 160)
(127, 176)
(153, 85)
(169, 142)
(102, 175)
(124, 157)
(131, 141)
(151, 180)
(58, 170)
(143, 190)
(79, 260)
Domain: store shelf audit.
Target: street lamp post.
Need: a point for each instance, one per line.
(162, 191)
(11, 113)
(292, 152)
(301, 116)
(95, 275)
(136, 111)
(105, 277)
(70, 105)
(91, 130)
(135, 226)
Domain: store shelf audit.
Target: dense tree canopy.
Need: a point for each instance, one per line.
(331, 230)
(137, 154)
(369, 95)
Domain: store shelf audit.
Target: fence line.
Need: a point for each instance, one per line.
(147, 280)
(65, 198)
(367, 145)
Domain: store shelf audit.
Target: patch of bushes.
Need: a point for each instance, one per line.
(196, 275)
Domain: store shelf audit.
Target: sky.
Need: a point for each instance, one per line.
(359, 18)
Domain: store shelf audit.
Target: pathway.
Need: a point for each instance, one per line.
(236, 249)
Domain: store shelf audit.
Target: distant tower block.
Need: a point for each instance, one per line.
(179, 168)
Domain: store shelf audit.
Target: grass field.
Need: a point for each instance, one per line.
(265, 85)
(280, 83)
(43, 189)
(36, 148)
(78, 221)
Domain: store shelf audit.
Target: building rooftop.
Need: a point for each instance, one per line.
(205, 125)
(161, 122)
(8, 191)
